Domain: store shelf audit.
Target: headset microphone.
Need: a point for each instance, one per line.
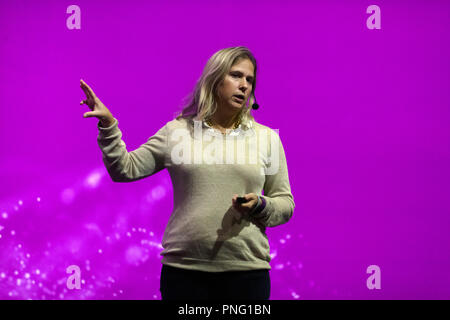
(255, 106)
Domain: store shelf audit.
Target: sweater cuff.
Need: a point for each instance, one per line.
(257, 212)
(105, 131)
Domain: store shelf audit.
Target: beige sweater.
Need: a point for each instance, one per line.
(204, 231)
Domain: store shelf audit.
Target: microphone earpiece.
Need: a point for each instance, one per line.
(255, 106)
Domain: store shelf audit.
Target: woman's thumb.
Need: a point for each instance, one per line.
(88, 115)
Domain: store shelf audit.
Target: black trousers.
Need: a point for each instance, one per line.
(182, 284)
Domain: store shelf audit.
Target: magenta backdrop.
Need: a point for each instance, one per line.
(363, 116)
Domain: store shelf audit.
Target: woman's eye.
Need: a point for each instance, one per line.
(237, 76)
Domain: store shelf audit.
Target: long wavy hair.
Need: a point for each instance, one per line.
(202, 102)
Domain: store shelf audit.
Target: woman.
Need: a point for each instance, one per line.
(212, 250)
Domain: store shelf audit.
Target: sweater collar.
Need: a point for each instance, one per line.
(241, 129)
(242, 126)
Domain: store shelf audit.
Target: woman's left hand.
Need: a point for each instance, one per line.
(245, 208)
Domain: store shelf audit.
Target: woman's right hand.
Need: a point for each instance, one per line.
(98, 108)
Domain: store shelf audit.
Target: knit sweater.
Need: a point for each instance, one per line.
(207, 168)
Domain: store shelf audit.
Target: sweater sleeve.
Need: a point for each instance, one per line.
(124, 166)
(279, 205)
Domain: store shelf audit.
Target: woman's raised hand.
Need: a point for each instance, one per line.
(98, 108)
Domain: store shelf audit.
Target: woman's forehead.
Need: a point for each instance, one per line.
(243, 66)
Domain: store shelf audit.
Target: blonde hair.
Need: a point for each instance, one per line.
(202, 101)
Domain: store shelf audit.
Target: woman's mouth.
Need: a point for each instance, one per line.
(240, 100)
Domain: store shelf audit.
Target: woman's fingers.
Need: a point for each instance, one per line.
(248, 204)
(89, 114)
(88, 89)
(85, 89)
(89, 99)
(251, 198)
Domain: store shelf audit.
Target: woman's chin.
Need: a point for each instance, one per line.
(237, 105)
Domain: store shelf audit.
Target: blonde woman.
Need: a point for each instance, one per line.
(215, 244)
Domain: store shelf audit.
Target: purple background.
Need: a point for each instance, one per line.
(363, 116)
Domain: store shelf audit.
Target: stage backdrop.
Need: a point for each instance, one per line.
(359, 91)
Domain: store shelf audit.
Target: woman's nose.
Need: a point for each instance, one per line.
(243, 85)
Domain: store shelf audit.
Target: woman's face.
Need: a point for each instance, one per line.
(238, 81)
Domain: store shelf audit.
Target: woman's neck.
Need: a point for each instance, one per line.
(224, 121)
